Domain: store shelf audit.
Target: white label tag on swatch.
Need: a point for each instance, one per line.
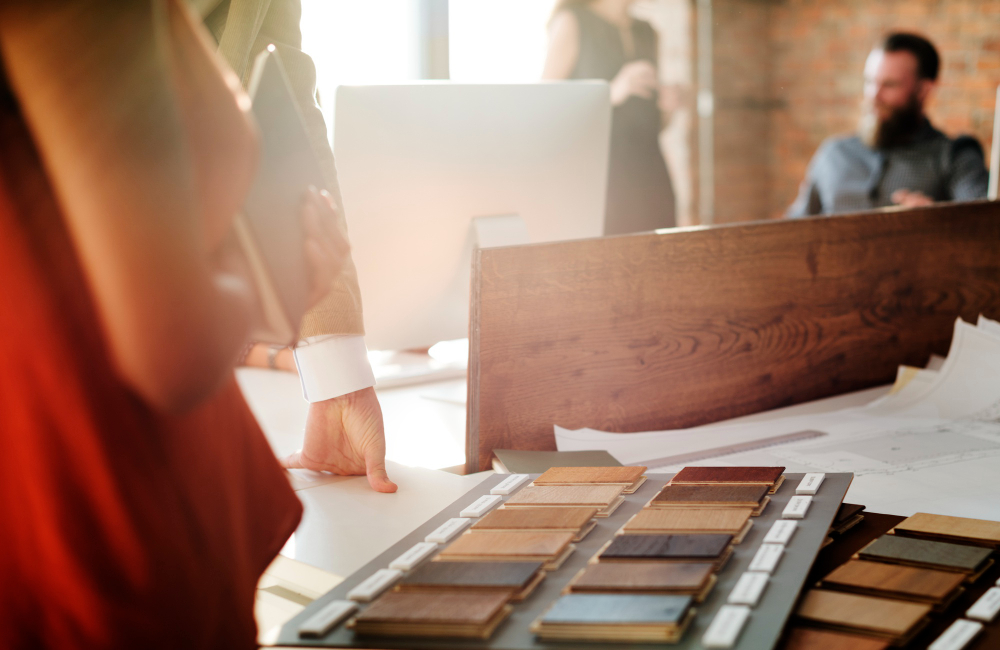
(810, 483)
(725, 628)
(448, 529)
(767, 558)
(987, 607)
(509, 484)
(374, 584)
(413, 557)
(482, 505)
(796, 508)
(957, 636)
(327, 618)
(781, 531)
(748, 589)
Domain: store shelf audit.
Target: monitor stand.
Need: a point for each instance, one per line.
(448, 359)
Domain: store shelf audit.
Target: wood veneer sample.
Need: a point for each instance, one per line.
(630, 477)
(459, 614)
(694, 579)
(534, 546)
(970, 560)
(895, 620)
(803, 638)
(895, 581)
(516, 578)
(675, 548)
(616, 617)
(731, 521)
(846, 512)
(773, 477)
(980, 532)
(606, 498)
(579, 521)
(713, 496)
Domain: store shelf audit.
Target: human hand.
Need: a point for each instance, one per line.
(911, 199)
(345, 435)
(672, 97)
(325, 246)
(635, 78)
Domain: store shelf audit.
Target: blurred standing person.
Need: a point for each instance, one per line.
(599, 39)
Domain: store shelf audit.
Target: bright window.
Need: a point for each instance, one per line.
(357, 42)
(497, 40)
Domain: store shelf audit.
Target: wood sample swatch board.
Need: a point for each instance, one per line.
(761, 632)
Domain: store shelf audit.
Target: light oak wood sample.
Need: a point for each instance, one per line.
(552, 548)
(604, 497)
(579, 521)
(981, 532)
(896, 620)
(630, 477)
(657, 521)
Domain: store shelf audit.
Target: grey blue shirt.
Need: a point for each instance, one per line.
(846, 175)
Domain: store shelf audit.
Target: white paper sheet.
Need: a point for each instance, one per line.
(931, 446)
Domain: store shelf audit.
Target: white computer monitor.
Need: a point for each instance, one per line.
(418, 163)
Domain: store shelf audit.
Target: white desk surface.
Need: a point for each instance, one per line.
(346, 524)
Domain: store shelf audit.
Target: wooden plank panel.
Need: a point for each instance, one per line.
(658, 331)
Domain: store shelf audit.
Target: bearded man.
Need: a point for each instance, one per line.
(897, 157)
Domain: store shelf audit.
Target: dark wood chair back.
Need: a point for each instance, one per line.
(691, 326)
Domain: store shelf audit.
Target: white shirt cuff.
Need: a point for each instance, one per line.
(332, 365)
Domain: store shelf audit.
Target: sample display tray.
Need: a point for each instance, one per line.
(762, 630)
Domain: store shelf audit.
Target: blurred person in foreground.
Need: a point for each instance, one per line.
(141, 502)
(599, 39)
(897, 157)
(344, 431)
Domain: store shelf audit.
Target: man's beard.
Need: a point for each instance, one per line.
(896, 130)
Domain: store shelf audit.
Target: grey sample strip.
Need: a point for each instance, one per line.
(761, 631)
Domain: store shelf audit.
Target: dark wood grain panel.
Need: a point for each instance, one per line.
(728, 495)
(688, 327)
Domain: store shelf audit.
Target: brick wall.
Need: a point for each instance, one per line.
(788, 73)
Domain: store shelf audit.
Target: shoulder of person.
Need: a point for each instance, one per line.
(567, 18)
(965, 144)
(841, 144)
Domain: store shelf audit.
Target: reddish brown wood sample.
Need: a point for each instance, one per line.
(752, 475)
(894, 581)
(661, 331)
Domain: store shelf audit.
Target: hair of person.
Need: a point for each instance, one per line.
(928, 61)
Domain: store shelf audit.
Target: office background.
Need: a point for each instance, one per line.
(766, 80)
